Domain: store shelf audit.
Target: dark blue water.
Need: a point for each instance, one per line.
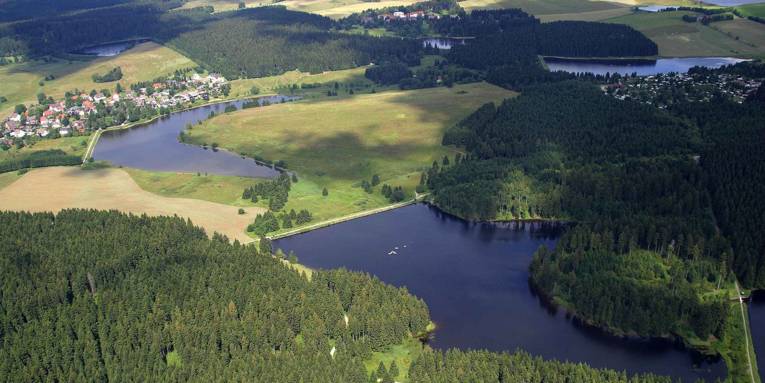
(641, 67)
(474, 278)
(757, 324)
(155, 146)
(442, 42)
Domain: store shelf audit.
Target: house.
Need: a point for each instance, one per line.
(18, 133)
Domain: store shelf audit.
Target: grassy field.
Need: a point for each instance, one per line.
(395, 134)
(276, 84)
(340, 8)
(677, 38)
(214, 188)
(56, 188)
(70, 145)
(21, 82)
(543, 7)
(752, 9)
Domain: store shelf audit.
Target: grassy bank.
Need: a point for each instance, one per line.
(393, 134)
(69, 145)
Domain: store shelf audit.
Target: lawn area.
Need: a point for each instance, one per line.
(8, 178)
(394, 134)
(144, 62)
(70, 145)
(677, 38)
(57, 188)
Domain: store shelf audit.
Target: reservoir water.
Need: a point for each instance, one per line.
(757, 324)
(442, 43)
(641, 67)
(155, 146)
(474, 278)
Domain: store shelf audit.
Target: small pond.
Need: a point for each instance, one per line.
(641, 67)
(442, 43)
(474, 277)
(110, 49)
(155, 146)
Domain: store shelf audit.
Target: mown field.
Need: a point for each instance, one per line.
(338, 143)
(677, 38)
(21, 82)
(340, 8)
(543, 7)
(57, 188)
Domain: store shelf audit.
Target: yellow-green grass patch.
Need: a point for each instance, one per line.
(404, 354)
(8, 178)
(587, 16)
(677, 38)
(752, 10)
(337, 143)
(144, 62)
(70, 145)
(57, 188)
(340, 8)
(214, 188)
(273, 84)
(542, 7)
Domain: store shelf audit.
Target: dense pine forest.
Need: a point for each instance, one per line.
(102, 296)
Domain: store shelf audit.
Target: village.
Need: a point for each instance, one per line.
(663, 90)
(79, 112)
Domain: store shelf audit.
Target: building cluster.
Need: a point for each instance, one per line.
(69, 115)
(408, 16)
(663, 90)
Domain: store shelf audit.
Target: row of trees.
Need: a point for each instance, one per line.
(105, 296)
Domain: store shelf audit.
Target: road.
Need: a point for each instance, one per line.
(746, 332)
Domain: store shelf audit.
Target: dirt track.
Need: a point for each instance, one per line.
(53, 189)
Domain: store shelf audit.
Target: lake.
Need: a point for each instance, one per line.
(657, 8)
(109, 49)
(155, 146)
(474, 278)
(757, 324)
(442, 43)
(641, 67)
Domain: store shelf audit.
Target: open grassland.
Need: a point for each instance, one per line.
(8, 178)
(677, 38)
(278, 84)
(21, 82)
(70, 145)
(214, 188)
(752, 10)
(57, 188)
(587, 16)
(337, 143)
(222, 5)
(340, 8)
(543, 7)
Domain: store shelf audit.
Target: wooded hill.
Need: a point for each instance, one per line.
(645, 244)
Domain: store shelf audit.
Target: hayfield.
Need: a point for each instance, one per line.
(337, 143)
(144, 62)
(340, 8)
(57, 188)
(272, 84)
(543, 7)
(677, 38)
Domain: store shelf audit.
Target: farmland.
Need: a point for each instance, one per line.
(57, 188)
